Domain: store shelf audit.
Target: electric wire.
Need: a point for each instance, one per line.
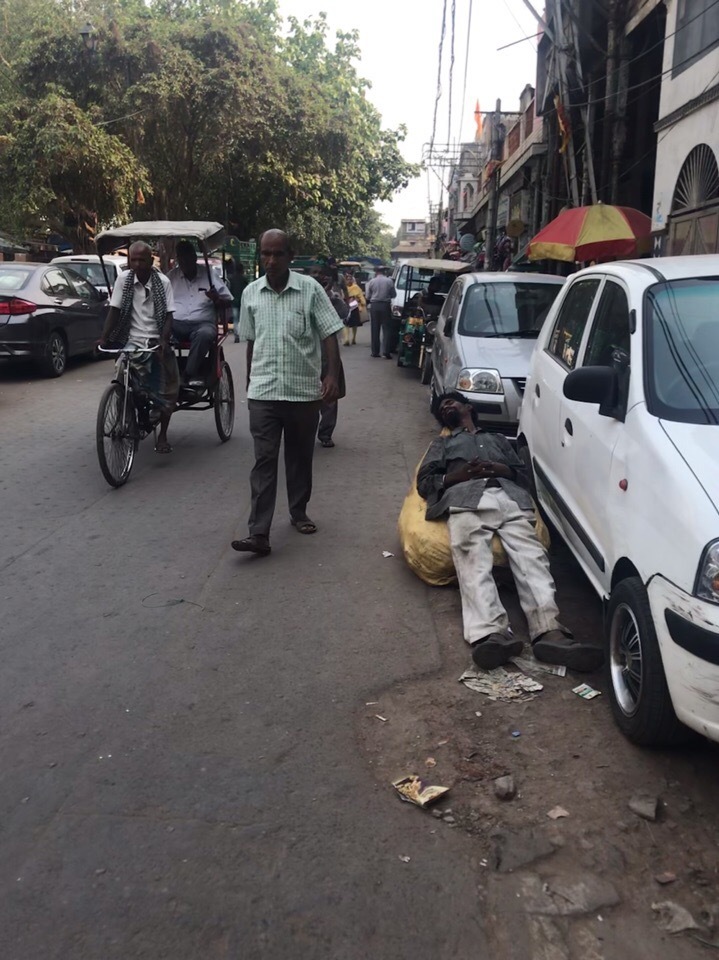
(438, 93)
(451, 73)
(466, 67)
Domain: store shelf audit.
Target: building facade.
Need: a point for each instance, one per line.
(686, 186)
(414, 239)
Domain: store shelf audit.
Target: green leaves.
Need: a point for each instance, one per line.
(208, 107)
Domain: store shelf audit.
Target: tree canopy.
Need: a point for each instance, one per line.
(203, 109)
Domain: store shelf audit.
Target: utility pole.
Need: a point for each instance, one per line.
(619, 136)
(587, 114)
(564, 99)
(493, 206)
(610, 100)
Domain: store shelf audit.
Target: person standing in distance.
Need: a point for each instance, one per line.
(286, 318)
(380, 292)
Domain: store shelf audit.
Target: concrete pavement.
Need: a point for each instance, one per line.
(178, 737)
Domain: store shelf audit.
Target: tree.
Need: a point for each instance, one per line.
(202, 108)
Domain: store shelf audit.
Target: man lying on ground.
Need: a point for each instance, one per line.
(477, 482)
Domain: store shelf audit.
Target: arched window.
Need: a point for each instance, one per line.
(698, 180)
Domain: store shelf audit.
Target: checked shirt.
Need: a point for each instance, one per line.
(287, 329)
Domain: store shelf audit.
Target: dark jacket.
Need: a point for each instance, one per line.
(446, 454)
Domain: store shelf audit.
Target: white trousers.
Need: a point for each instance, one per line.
(470, 533)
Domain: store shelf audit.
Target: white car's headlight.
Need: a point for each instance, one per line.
(480, 381)
(708, 577)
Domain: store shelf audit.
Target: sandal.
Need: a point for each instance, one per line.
(163, 447)
(258, 545)
(305, 525)
(327, 443)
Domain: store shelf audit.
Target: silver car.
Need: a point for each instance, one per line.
(484, 339)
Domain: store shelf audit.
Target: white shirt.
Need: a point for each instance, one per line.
(191, 301)
(142, 325)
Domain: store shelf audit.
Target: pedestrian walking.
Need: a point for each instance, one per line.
(285, 318)
(237, 281)
(329, 409)
(356, 303)
(380, 292)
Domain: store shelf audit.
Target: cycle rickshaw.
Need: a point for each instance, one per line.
(126, 415)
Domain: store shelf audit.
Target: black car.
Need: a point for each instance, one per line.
(47, 314)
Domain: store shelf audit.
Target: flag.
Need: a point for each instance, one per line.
(478, 121)
(564, 124)
(140, 196)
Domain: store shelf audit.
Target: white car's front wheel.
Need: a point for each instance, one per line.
(638, 691)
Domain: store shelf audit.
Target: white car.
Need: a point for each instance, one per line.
(88, 266)
(620, 421)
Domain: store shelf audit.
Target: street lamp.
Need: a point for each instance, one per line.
(89, 37)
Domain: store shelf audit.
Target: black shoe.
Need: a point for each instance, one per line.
(327, 443)
(256, 544)
(387, 356)
(375, 355)
(557, 648)
(495, 650)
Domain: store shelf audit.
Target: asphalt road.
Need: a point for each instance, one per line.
(178, 723)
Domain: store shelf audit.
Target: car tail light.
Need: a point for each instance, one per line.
(15, 306)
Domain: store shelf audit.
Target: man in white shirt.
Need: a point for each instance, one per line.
(195, 301)
(140, 316)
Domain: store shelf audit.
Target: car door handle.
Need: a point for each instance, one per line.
(58, 300)
(84, 306)
(568, 427)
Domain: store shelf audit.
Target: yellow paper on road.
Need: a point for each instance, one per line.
(425, 543)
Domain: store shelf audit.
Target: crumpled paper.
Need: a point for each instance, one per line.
(500, 684)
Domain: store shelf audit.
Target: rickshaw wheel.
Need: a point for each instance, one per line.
(224, 401)
(116, 442)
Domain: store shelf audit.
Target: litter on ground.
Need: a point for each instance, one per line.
(557, 812)
(535, 668)
(500, 684)
(586, 692)
(413, 790)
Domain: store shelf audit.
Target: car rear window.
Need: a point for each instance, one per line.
(505, 308)
(681, 320)
(13, 279)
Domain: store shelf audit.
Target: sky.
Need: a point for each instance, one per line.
(400, 53)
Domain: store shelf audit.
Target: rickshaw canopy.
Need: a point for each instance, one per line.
(209, 233)
(448, 266)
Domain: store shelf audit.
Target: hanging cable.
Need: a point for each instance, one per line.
(466, 67)
(439, 79)
(451, 75)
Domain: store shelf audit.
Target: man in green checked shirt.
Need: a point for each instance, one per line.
(285, 318)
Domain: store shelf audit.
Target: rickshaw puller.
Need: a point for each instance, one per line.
(140, 313)
(195, 302)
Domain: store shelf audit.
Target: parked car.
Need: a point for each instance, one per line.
(88, 266)
(484, 339)
(48, 313)
(621, 425)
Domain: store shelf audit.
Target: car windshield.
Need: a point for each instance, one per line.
(505, 309)
(682, 346)
(13, 279)
(91, 271)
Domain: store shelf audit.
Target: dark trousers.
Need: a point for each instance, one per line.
(380, 320)
(269, 420)
(328, 421)
(202, 336)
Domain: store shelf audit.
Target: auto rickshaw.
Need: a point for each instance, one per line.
(431, 281)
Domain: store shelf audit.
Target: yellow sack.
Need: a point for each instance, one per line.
(425, 543)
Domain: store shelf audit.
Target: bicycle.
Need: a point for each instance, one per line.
(126, 415)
